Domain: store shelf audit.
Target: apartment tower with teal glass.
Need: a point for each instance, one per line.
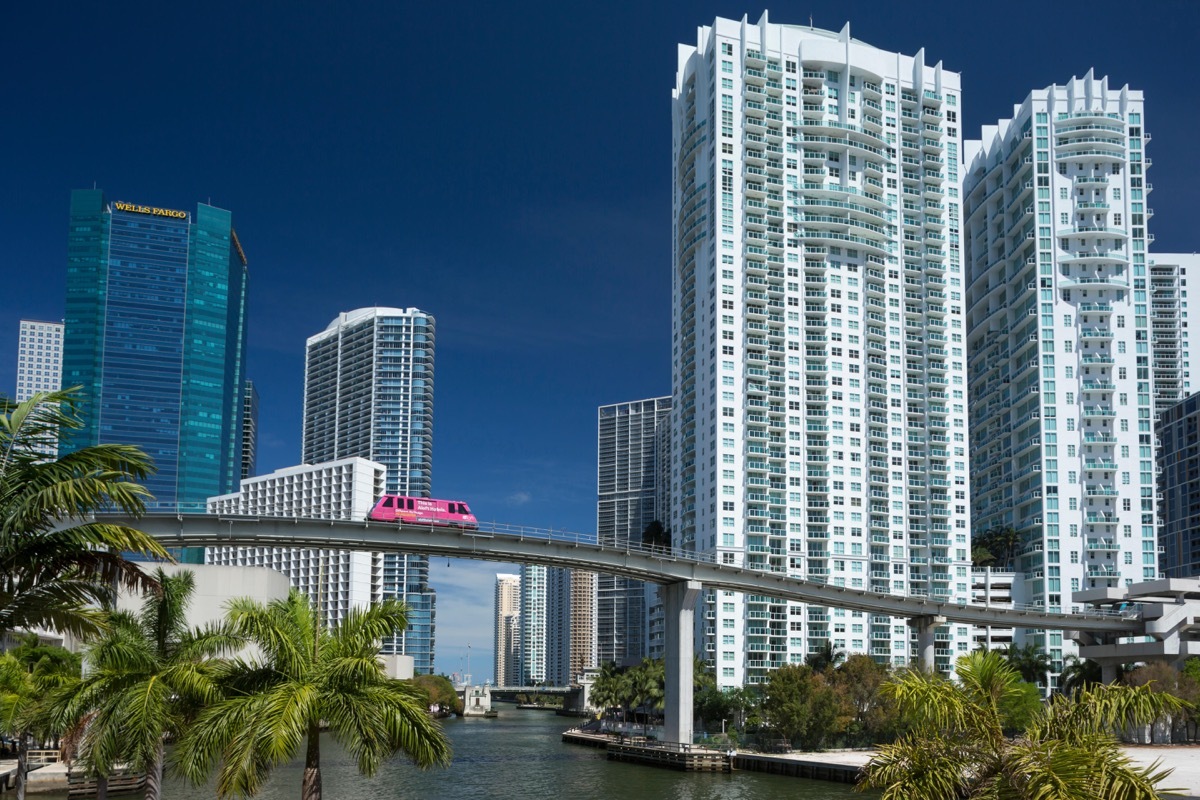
(155, 334)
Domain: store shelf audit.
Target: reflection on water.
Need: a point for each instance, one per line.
(520, 756)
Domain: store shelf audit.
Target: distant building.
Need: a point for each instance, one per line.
(1179, 489)
(556, 641)
(250, 431)
(507, 611)
(39, 358)
(155, 333)
(626, 470)
(335, 580)
(368, 392)
(581, 647)
(39, 367)
(535, 626)
(1174, 328)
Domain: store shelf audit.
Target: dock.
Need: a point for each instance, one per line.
(798, 767)
(665, 755)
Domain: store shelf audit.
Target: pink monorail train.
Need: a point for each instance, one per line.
(423, 511)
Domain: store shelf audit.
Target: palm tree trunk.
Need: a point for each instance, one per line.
(155, 776)
(311, 788)
(22, 766)
(101, 787)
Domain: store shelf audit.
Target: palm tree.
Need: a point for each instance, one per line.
(1030, 661)
(647, 683)
(307, 675)
(956, 747)
(148, 675)
(57, 566)
(27, 675)
(1078, 673)
(824, 659)
(1002, 543)
(610, 688)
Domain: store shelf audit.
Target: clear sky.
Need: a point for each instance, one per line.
(503, 167)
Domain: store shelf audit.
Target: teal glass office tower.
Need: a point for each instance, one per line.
(155, 334)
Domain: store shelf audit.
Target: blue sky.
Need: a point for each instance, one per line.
(505, 168)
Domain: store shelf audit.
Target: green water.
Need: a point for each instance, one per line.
(520, 756)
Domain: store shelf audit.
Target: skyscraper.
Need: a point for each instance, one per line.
(368, 392)
(625, 476)
(1061, 372)
(553, 649)
(249, 431)
(39, 358)
(507, 610)
(1174, 328)
(155, 333)
(1178, 455)
(818, 351)
(39, 367)
(535, 623)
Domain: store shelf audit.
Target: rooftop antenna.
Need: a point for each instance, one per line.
(810, 22)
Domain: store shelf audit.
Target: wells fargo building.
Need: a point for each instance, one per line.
(156, 337)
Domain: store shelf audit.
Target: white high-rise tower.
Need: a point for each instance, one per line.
(818, 347)
(368, 392)
(1061, 367)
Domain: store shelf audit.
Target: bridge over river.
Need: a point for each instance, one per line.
(682, 576)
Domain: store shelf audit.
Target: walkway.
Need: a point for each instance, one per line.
(1183, 759)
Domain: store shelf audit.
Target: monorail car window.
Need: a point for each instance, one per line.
(410, 504)
(387, 502)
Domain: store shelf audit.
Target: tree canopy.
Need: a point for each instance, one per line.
(957, 747)
(58, 565)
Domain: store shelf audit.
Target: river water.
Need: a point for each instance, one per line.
(520, 756)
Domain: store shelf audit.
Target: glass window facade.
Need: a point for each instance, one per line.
(155, 335)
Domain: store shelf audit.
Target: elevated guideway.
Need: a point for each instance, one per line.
(511, 543)
(683, 577)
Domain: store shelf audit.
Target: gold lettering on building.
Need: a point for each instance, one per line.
(151, 210)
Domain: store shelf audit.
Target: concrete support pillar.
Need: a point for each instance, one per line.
(926, 627)
(679, 612)
(1108, 671)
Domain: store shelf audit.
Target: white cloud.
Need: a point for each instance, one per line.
(519, 498)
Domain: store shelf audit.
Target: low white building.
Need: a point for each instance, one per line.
(346, 489)
(215, 587)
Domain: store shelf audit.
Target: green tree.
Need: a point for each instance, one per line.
(606, 693)
(1077, 673)
(1159, 676)
(147, 677)
(58, 567)
(1030, 661)
(826, 658)
(656, 538)
(647, 688)
(858, 682)
(26, 678)
(801, 707)
(305, 675)
(957, 747)
(996, 547)
(438, 689)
